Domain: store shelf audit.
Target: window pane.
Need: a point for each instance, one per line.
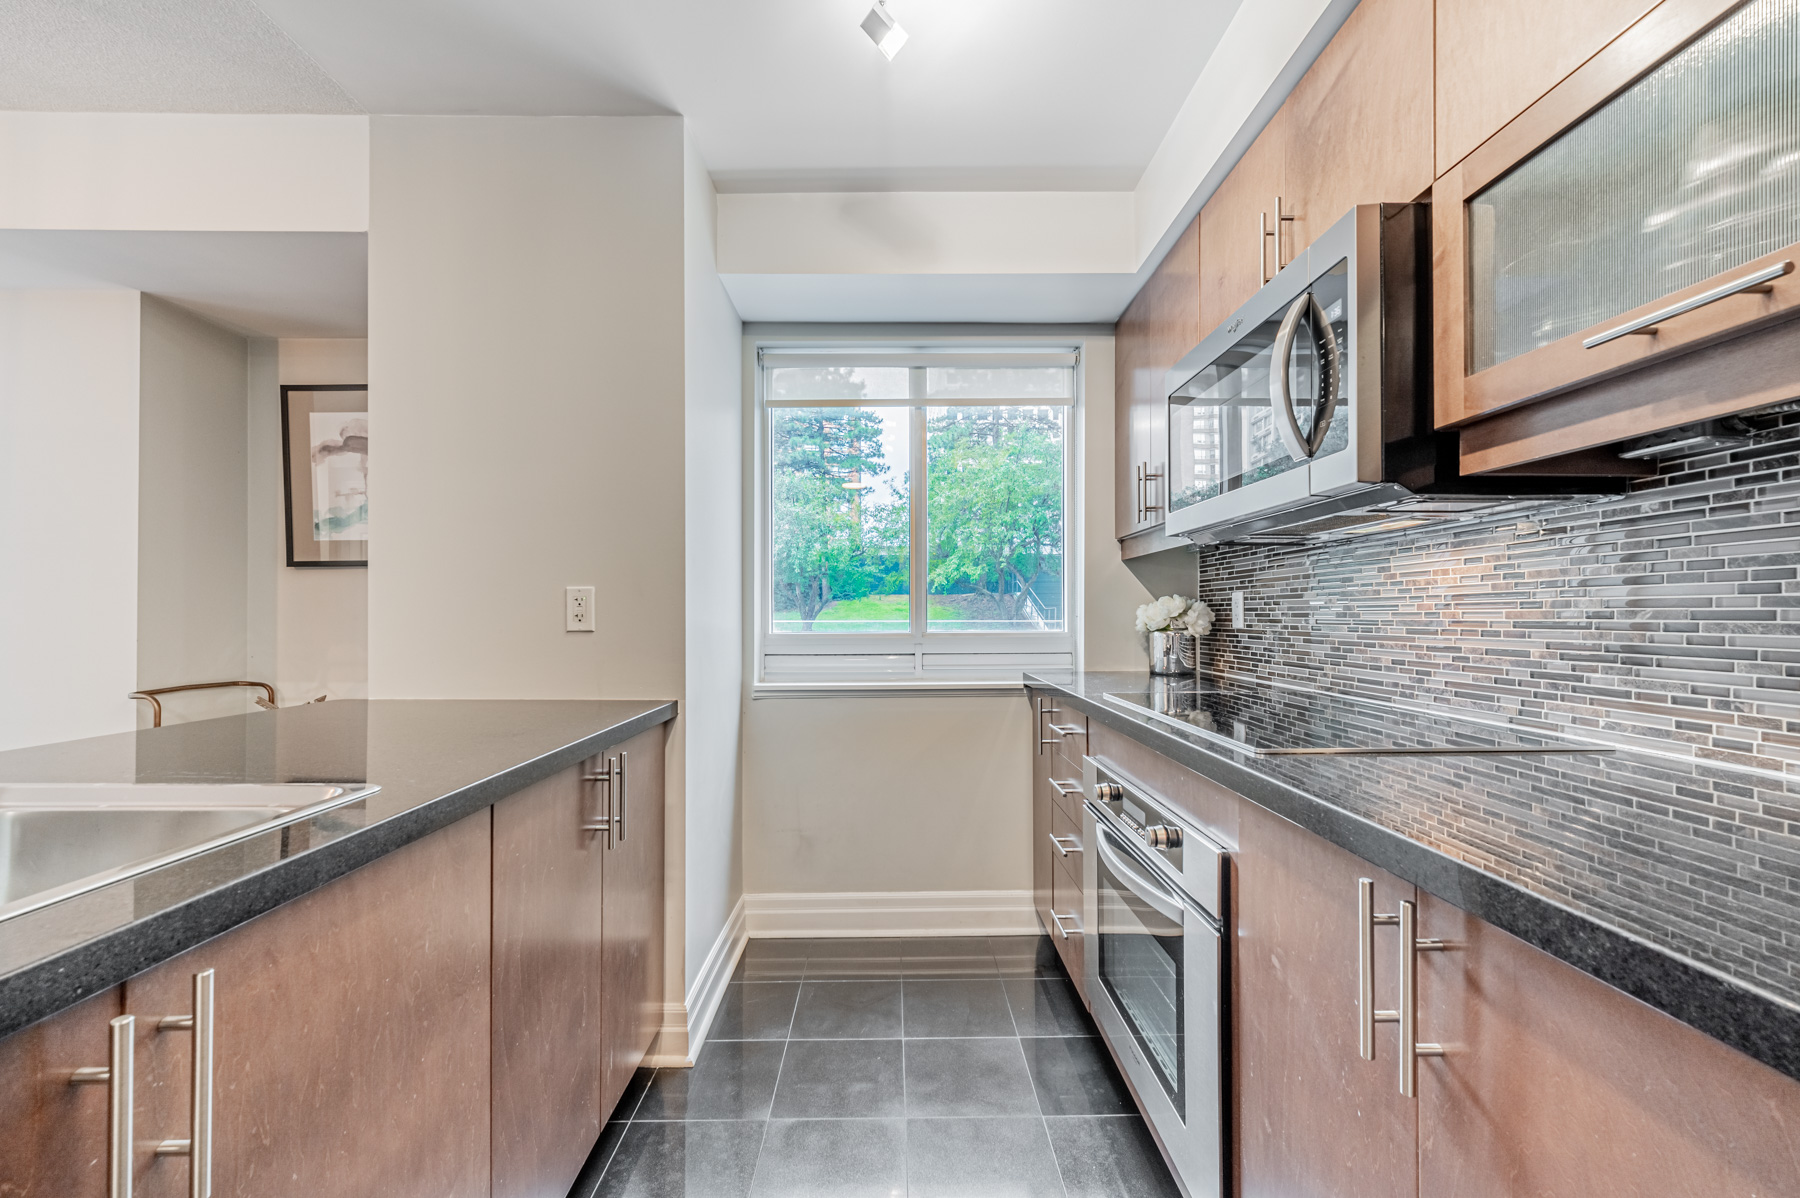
(994, 515)
(838, 382)
(1005, 382)
(842, 536)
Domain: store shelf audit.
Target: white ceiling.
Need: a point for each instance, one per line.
(780, 94)
(255, 284)
(155, 56)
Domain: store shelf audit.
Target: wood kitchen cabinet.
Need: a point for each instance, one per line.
(1235, 256)
(632, 1013)
(350, 1040)
(549, 970)
(1495, 60)
(1559, 1086)
(55, 1140)
(1056, 816)
(1161, 324)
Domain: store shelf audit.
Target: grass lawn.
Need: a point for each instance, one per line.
(871, 613)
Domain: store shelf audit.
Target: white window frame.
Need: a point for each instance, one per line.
(919, 659)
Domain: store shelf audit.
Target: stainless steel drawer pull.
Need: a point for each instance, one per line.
(1043, 711)
(1646, 325)
(1410, 1048)
(1065, 844)
(1366, 922)
(1062, 787)
(1068, 729)
(118, 1075)
(603, 822)
(198, 1146)
(624, 798)
(1062, 930)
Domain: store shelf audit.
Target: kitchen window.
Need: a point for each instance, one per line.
(914, 516)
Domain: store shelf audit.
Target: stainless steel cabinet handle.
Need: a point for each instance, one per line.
(1042, 740)
(604, 821)
(1068, 729)
(1410, 1048)
(1366, 923)
(1140, 495)
(198, 1147)
(1759, 280)
(1065, 844)
(1065, 788)
(624, 798)
(118, 1075)
(1058, 921)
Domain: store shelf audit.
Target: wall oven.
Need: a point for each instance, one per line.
(1308, 413)
(1155, 951)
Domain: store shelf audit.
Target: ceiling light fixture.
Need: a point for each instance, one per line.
(883, 30)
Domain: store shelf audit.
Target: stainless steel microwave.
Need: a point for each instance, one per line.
(1307, 415)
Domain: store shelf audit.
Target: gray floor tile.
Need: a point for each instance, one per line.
(733, 1079)
(1075, 1075)
(841, 960)
(967, 1077)
(587, 1182)
(1109, 1157)
(948, 957)
(980, 1158)
(832, 1158)
(680, 1160)
(957, 1007)
(1026, 956)
(1047, 1007)
(755, 1011)
(848, 1011)
(771, 961)
(840, 1079)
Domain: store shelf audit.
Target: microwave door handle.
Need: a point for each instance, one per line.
(1159, 897)
(1301, 447)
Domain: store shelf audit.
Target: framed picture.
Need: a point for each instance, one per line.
(325, 469)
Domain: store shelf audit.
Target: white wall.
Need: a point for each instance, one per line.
(713, 865)
(69, 488)
(901, 793)
(191, 521)
(184, 171)
(321, 616)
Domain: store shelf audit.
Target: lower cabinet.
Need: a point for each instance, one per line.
(454, 1020)
(1056, 831)
(1550, 1084)
(53, 1134)
(349, 1045)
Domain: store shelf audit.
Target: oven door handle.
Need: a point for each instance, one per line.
(1301, 447)
(1165, 900)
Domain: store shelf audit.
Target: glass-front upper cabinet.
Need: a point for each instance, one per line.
(1646, 208)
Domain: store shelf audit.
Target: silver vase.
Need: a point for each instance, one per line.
(1171, 653)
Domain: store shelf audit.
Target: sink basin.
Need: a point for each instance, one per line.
(58, 840)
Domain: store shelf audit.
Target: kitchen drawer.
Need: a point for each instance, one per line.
(1066, 902)
(1064, 787)
(1066, 830)
(1070, 747)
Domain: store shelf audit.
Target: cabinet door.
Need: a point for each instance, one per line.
(1495, 60)
(548, 973)
(55, 1139)
(1066, 902)
(1559, 1086)
(1358, 129)
(1234, 256)
(1042, 801)
(350, 1039)
(632, 1007)
(1313, 1116)
(1161, 324)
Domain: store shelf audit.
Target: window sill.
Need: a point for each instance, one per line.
(915, 687)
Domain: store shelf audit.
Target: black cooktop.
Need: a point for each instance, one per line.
(1275, 722)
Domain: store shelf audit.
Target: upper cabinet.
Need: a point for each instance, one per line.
(1161, 324)
(1356, 130)
(1494, 60)
(1643, 212)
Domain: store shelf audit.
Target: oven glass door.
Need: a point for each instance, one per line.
(1140, 929)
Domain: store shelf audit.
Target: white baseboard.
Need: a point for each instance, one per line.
(892, 913)
(685, 1024)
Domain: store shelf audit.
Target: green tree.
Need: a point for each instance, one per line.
(994, 501)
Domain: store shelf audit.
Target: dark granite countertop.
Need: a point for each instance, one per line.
(435, 761)
(1675, 880)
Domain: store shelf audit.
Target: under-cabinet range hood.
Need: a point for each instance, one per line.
(1308, 416)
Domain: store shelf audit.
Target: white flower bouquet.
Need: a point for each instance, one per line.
(1175, 613)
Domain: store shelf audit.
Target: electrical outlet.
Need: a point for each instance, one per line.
(578, 609)
(1237, 609)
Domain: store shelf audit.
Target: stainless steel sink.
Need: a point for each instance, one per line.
(58, 840)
